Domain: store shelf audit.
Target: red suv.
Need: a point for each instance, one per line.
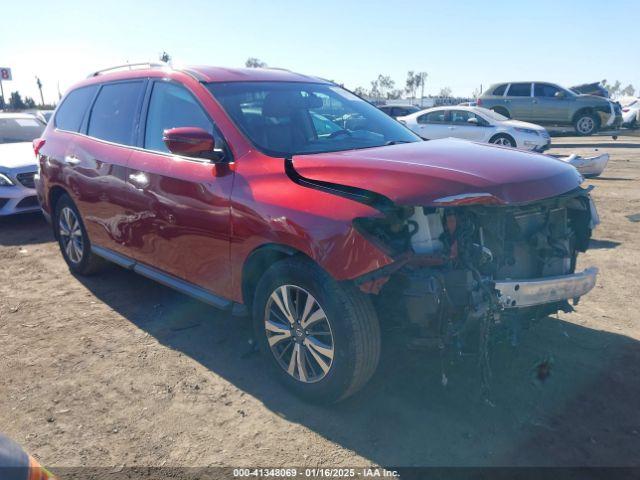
(286, 196)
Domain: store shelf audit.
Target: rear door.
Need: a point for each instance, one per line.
(547, 107)
(181, 206)
(97, 165)
(519, 101)
(434, 124)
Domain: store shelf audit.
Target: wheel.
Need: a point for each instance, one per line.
(504, 140)
(501, 111)
(73, 239)
(586, 124)
(323, 337)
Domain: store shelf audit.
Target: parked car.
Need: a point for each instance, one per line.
(43, 115)
(229, 185)
(396, 111)
(594, 88)
(549, 104)
(477, 124)
(18, 163)
(631, 113)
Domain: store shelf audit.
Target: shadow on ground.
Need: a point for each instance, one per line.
(584, 413)
(24, 229)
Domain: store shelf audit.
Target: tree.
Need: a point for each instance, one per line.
(410, 84)
(445, 92)
(16, 102)
(628, 91)
(476, 92)
(375, 90)
(360, 91)
(165, 57)
(253, 62)
(385, 84)
(614, 90)
(394, 94)
(421, 80)
(29, 102)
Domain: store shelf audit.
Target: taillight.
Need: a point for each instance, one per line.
(479, 102)
(38, 143)
(625, 110)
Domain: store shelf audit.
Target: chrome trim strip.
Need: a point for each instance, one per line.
(538, 291)
(165, 279)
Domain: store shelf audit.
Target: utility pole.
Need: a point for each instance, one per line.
(39, 83)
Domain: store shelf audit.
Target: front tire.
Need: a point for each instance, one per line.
(73, 239)
(503, 140)
(586, 124)
(322, 336)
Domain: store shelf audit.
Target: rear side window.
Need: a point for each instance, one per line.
(70, 114)
(520, 90)
(113, 116)
(499, 91)
(172, 106)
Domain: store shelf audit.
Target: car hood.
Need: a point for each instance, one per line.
(421, 173)
(16, 155)
(520, 124)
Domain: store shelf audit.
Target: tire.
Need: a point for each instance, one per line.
(73, 240)
(503, 140)
(586, 124)
(501, 111)
(345, 328)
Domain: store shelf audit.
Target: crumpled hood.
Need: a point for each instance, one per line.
(422, 172)
(16, 155)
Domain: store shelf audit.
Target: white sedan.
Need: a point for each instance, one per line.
(631, 113)
(18, 163)
(477, 124)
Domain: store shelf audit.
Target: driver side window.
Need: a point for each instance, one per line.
(172, 106)
(545, 90)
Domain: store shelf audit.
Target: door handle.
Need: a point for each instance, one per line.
(139, 179)
(71, 160)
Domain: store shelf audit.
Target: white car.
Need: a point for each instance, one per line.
(631, 113)
(477, 124)
(18, 163)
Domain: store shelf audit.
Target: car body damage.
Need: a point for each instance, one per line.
(499, 245)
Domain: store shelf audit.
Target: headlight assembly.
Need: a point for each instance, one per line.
(527, 130)
(5, 181)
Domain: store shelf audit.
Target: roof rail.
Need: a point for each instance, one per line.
(130, 66)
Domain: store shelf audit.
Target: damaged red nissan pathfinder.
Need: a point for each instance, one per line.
(286, 196)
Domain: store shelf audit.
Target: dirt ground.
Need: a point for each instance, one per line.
(117, 370)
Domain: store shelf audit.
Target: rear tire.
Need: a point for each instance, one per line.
(338, 351)
(503, 140)
(586, 124)
(73, 239)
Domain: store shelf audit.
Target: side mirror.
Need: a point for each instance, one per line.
(473, 121)
(559, 94)
(190, 142)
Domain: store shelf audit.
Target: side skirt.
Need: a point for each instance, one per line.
(165, 279)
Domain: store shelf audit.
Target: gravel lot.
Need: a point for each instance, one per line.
(117, 370)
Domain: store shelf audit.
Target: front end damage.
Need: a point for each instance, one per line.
(474, 262)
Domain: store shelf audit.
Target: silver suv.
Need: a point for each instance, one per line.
(549, 104)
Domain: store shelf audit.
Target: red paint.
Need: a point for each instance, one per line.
(189, 141)
(201, 221)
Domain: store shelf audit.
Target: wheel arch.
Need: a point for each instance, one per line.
(503, 134)
(259, 260)
(55, 193)
(582, 111)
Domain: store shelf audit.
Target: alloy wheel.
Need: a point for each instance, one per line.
(299, 333)
(71, 235)
(585, 125)
(504, 141)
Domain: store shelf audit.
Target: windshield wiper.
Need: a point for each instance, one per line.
(396, 142)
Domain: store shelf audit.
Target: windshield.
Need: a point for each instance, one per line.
(288, 118)
(20, 129)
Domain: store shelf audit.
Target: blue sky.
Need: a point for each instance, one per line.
(460, 44)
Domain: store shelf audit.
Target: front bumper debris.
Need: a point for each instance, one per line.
(539, 291)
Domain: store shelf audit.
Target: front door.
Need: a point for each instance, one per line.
(181, 205)
(461, 128)
(550, 104)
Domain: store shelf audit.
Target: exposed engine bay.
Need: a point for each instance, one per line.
(462, 265)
